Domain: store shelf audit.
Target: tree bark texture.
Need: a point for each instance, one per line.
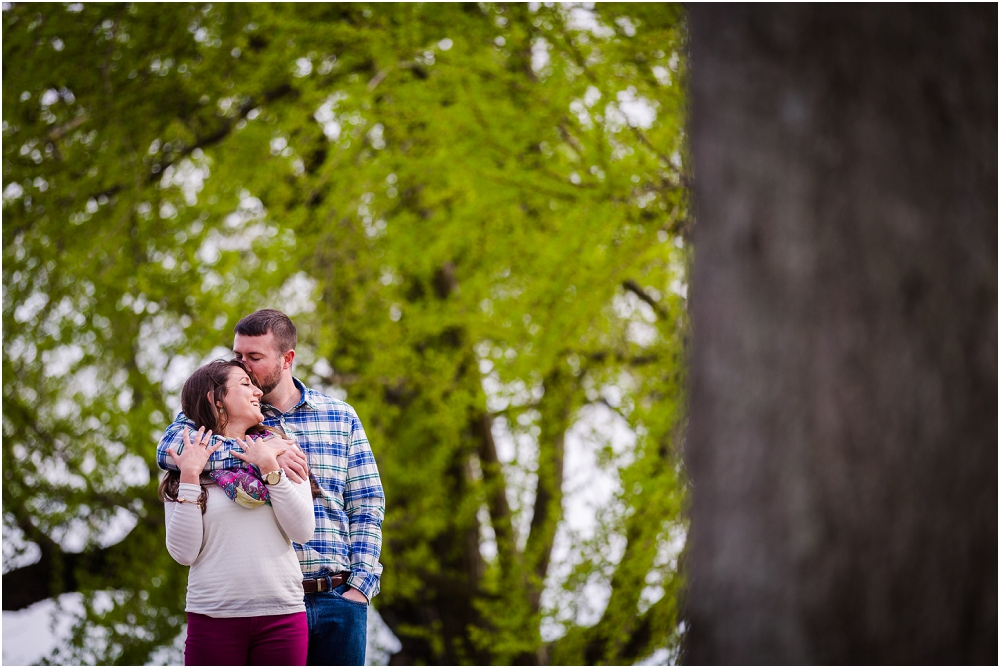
(843, 438)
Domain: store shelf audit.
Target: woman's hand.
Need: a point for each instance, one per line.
(259, 453)
(195, 455)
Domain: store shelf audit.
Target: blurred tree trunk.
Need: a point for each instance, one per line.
(843, 448)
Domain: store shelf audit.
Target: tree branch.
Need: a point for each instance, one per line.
(633, 287)
(56, 571)
(59, 132)
(203, 142)
(496, 495)
(554, 408)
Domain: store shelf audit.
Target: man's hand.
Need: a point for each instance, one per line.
(293, 460)
(355, 595)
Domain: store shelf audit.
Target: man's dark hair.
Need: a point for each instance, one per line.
(267, 320)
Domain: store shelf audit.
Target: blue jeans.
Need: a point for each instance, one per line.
(338, 629)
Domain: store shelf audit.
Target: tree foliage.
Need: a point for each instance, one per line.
(476, 214)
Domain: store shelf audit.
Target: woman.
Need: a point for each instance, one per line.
(244, 596)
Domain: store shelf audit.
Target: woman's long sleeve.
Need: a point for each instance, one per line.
(184, 525)
(293, 507)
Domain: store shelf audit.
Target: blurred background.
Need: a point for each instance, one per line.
(477, 216)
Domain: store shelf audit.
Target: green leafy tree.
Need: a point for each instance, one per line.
(477, 216)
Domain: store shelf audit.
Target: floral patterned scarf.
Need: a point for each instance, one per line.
(244, 484)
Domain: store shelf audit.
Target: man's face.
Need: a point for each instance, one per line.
(261, 354)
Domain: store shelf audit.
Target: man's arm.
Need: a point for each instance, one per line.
(364, 502)
(293, 460)
(173, 437)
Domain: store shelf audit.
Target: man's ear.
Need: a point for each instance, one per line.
(287, 359)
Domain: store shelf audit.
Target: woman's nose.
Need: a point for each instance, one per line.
(257, 392)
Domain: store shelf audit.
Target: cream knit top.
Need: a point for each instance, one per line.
(242, 561)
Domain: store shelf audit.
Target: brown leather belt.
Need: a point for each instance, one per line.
(315, 585)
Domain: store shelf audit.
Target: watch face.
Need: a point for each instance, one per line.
(273, 478)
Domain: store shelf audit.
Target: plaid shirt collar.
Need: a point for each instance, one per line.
(307, 397)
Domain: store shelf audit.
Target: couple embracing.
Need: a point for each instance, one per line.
(273, 499)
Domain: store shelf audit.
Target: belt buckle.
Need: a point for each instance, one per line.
(318, 585)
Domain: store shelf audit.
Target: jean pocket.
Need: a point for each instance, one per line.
(339, 595)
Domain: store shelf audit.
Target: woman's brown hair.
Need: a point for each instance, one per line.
(209, 379)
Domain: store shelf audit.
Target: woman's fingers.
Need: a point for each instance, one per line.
(197, 437)
(202, 438)
(240, 455)
(249, 444)
(173, 455)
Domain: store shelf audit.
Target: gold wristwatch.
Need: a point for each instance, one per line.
(273, 478)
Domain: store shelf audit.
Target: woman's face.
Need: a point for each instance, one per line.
(242, 400)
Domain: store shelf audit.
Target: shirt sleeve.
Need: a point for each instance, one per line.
(184, 525)
(173, 437)
(364, 503)
(293, 507)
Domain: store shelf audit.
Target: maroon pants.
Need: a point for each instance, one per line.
(271, 640)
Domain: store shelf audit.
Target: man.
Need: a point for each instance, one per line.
(340, 564)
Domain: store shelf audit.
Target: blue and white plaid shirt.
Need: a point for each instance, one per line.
(349, 515)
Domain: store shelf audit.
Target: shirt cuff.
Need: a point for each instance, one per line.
(188, 491)
(365, 582)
